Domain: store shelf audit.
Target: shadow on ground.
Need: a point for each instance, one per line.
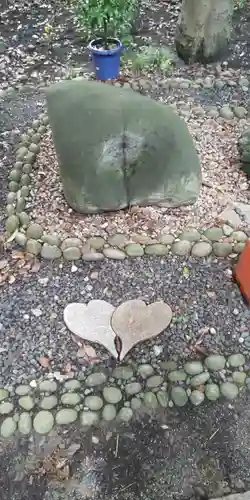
(173, 454)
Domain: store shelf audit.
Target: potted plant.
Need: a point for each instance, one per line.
(105, 21)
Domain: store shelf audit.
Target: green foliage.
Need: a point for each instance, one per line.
(239, 4)
(150, 58)
(106, 18)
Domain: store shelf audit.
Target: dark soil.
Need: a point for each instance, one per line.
(185, 454)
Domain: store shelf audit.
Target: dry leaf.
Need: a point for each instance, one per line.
(89, 351)
(133, 321)
(18, 255)
(3, 264)
(92, 322)
(44, 361)
(67, 368)
(36, 266)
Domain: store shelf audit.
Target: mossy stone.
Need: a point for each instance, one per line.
(20, 205)
(13, 186)
(21, 153)
(109, 412)
(150, 137)
(25, 180)
(34, 231)
(33, 247)
(27, 168)
(11, 224)
(179, 396)
(72, 253)
(162, 397)
(25, 191)
(25, 424)
(157, 249)
(50, 252)
(34, 148)
(229, 390)
(197, 397)
(35, 139)
(30, 158)
(51, 239)
(11, 198)
(24, 219)
(15, 175)
(21, 239)
(150, 400)
(212, 392)
(10, 210)
(134, 250)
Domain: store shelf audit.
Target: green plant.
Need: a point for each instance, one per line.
(239, 4)
(150, 58)
(106, 18)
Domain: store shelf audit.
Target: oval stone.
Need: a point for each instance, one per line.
(200, 379)
(133, 388)
(212, 392)
(48, 386)
(8, 428)
(6, 408)
(215, 362)
(154, 381)
(125, 414)
(43, 422)
(109, 412)
(145, 370)
(70, 398)
(197, 397)
(26, 402)
(179, 396)
(89, 418)
(112, 395)
(150, 400)
(48, 402)
(123, 372)
(229, 391)
(193, 367)
(66, 416)
(95, 379)
(236, 360)
(25, 424)
(94, 403)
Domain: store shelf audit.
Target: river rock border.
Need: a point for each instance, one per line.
(217, 241)
(117, 396)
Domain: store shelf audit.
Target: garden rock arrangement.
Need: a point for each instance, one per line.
(223, 241)
(132, 322)
(244, 149)
(108, 139)
(127, 391)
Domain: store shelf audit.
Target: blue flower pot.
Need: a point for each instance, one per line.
(106, 61)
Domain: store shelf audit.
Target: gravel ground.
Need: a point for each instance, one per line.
(186, 454)
(216, 145)
(200, 295)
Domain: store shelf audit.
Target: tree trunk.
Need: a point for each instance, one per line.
(203, 30)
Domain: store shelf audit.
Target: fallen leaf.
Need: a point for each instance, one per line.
(36, 266)
(44, 361)
(76, 340)
(3, 264)
(67, 368)
(17, 255)
(89, 351)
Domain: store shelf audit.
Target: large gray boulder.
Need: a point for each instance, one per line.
(117, 148)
